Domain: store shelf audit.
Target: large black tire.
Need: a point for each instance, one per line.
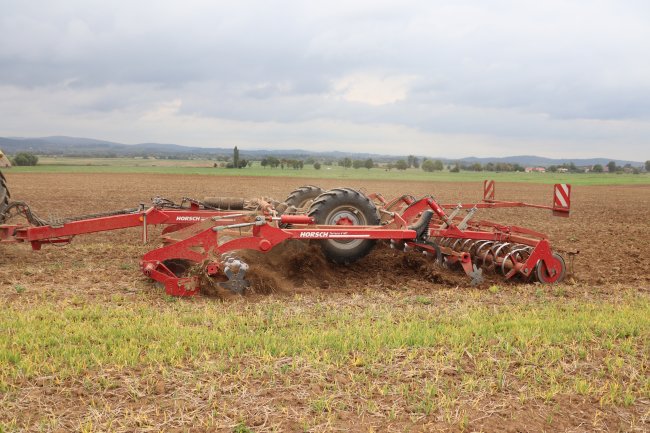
(4, 197)
(345, 206)
(303, 196)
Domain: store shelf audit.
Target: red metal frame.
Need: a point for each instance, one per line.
(261, 231)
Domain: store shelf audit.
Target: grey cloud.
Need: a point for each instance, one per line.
(511, 69)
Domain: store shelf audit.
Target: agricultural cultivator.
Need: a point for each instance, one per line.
(202, 239)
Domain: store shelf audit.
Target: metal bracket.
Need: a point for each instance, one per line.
(470, 214)
(452, 215)
(235, 270)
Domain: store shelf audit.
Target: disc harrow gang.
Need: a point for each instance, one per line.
(201, 238)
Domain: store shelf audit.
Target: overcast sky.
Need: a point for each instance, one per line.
(433, 78)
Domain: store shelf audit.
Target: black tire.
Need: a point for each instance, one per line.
(333, 206)
(303, 196)
(4, 197)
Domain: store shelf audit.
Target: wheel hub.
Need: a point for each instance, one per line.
(344, 218)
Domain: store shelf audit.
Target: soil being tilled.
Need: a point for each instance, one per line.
(298, 267)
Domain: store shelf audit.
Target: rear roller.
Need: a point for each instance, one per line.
(345, 207)
(505, 258)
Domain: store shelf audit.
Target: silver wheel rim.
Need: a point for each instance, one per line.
(351, 214)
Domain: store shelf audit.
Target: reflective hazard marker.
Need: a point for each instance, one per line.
(561, 199)
(488, 190)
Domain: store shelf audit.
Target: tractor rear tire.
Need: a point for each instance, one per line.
(4, 197)
(303, 196)
(345, 207)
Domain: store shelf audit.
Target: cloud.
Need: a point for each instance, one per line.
(494, 77)
(371, 89)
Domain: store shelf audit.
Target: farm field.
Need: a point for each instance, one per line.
(205, 167)
(387, 344)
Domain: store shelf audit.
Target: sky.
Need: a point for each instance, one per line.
(562, 79)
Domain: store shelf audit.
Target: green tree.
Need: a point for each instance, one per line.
(345, 162)
(317, 165)
(647, 165)
(401, 165)
(428, 166)
(611, 166)
(25, 159)
(410, 160)
(597, 168)
(369, 163)
(235, 157)
(438, 165)
(456, 169)
(273, 161)
(357, 163)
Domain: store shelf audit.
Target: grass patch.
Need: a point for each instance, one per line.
(304, 362)
(552, 347)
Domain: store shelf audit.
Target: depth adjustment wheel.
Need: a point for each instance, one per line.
(546, 276)
(345, 207)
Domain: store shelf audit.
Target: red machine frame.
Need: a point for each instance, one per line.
(193, 234)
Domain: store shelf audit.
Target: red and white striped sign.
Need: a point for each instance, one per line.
(562, 197)
(488, 190)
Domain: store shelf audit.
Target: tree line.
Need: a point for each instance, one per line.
(411, 161)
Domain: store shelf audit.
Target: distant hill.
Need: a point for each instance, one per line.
(538, 161)
(75, 146)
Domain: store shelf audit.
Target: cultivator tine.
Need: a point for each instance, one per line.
(476, 275)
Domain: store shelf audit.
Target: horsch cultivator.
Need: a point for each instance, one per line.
(202, 238)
